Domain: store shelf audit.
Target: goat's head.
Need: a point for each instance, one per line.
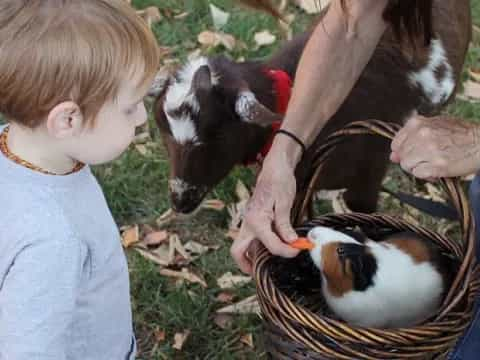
(210, 121)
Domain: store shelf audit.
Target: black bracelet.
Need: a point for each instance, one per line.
(294, 137)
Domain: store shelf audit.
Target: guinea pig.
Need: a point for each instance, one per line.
(397, 282)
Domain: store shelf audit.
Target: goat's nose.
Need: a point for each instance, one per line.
(186, 201)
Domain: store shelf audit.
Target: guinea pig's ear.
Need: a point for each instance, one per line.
(363, 265)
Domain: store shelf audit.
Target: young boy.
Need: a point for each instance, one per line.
(72, 77)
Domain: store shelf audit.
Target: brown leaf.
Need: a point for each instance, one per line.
(213, 39)
(471, 90)
(225, 297)
(312, 6)
(159, 335)
(185, 274)
(228, 280)
(474, 74)
(246, 306)
(247, 340)
(157, 256)
(179, 339)
(181, 16)
(223, 321)
(151, 15)
(166, 217)
(155, 238)
(213, 204)
(130, 236)
(177, 245)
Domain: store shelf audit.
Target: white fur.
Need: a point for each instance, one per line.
(436, 90)
(183, 129)
(179, 186)
(178, 93)
(404, 292)
(244, 104)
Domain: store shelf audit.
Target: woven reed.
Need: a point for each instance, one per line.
(295, 332)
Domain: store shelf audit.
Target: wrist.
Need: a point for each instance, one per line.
(288, 148)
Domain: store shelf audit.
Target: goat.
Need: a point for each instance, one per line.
(215, 113)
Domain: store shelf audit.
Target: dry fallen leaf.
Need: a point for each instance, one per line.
(179, 339)
(434, 193)
(242, 191)
(142, 149)
(213, 204)
(156, 238)
(223, 321)
(166, 217)
(160, 256)
(246, 306)
(181, 16)
(219, 17)
(213, 39)
(159, 335)
(312, 6)
(247, 340)
(471, 91)
(474, 74)
(130, 236)
(264, 38)
(225, 297)
(185, 274)
(151, 15)
(228, 280)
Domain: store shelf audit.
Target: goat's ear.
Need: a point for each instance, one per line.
(250, 110)
(202, 80)
(160, 83)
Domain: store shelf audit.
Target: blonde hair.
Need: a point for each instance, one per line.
(69, 50)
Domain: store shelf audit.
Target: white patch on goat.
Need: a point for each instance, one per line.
(179, 186)
(183, 129)
(244, 104)
(437, 90)
(178, 93)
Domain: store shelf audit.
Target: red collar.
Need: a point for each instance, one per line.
(282, 84)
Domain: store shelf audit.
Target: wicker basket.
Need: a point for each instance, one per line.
(293, 331)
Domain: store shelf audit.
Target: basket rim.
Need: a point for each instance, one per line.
(281, 311)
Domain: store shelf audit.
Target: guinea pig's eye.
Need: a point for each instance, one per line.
(340, 250)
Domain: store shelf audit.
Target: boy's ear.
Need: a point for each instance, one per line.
(65, 120)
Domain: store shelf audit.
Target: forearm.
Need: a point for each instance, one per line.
(338, 51)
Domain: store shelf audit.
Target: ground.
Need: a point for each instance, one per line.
(136, 189)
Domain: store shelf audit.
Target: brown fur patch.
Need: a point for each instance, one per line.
(412, 246)
(339, 283)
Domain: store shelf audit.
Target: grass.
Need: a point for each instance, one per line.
(136, 189)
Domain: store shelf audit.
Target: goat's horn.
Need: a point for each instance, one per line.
(252, 111)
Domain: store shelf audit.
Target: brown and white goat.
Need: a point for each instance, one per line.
(215, 113)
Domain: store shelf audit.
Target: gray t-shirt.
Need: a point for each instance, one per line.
(64, 285)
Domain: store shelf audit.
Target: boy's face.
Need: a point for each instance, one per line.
(114, 127)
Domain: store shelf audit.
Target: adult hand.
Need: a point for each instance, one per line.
(267, 217)
(435, 147)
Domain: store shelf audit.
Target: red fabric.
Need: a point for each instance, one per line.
(283, 88)
(282, 85)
